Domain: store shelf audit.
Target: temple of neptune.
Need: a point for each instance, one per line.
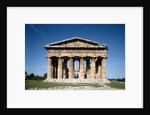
(90, 55)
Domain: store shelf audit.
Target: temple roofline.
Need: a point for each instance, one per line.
(56, 44)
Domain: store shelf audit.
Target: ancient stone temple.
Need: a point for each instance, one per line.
(62, 55)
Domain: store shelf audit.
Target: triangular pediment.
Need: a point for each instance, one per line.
(74, 42)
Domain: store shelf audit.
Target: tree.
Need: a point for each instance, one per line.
(26, 75)
(31, 76)
(45, 75)
(123, 79)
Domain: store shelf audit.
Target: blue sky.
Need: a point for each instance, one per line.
(37, 35)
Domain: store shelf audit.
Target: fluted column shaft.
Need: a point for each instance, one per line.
(93, 68)
(81, 68)
(71, 71)
(88, 68)
(65, 67)
(103, 68)
(99, 69)
(59, 68)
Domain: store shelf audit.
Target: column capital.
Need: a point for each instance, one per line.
(104, 57)
(71, 56)
(82, 57)
(60, 57)
(94, 57)
(65, 58)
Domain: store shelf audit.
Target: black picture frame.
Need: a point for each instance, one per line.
(93, 3)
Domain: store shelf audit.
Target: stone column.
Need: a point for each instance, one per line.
(81, 68)
(64, 70)
(99, 69)
(93, 68)
(71, 71)
(103, 68)
(64, 73)
(88, 68)
(59, 68)
(49, 71)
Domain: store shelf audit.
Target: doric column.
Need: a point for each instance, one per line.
(81, 68)
(64, 73)
(99, 71)
(49, 71)
(71, 71)
(103, 68)
(59, 68)
(93, 68)
(88, 68)
(99, 68)
(64, 69)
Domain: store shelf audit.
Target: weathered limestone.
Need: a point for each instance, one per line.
(49, 72)
(59, 68)
(59, 53)
(99, 69)
(71, 72)
(93, 69)
(64, 74)
(104, 68)
(88, 68)
(65, 69)
(81, 75)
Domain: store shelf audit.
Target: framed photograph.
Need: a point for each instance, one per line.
(81, 56)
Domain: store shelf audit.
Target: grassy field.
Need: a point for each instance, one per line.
(40, 84)
(117, 85)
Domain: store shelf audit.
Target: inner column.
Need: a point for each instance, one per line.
(54, 67)
(65, 68)
(76, 67)
(99, 68)
(88, 68)
(93, 69)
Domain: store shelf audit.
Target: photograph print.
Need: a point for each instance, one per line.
(74, 56)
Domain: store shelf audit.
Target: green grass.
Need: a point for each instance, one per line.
(116, 84)
(40, 84)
